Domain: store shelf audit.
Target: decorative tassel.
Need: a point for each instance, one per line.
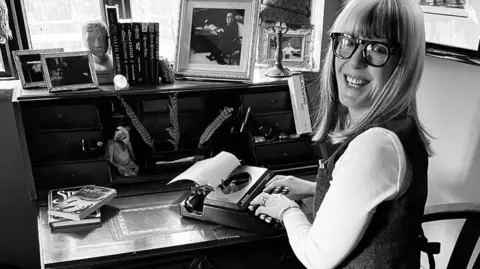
(136, 122)
(174, 130)
(225, 114)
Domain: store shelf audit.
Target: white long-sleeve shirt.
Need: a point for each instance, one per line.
(371, 170)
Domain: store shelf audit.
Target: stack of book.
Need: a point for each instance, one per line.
(135, 48)
(77, 206)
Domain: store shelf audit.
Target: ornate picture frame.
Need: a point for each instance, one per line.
(217, 39)
(301, 42)
(69, 71)
(29, 66)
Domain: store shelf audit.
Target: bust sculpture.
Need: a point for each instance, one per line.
(95, 38)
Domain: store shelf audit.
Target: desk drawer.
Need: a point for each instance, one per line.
(267, 102)
(279, 122)
(72, 174)
(65, 146)
(60, 117)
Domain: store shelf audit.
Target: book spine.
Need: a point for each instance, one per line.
(255, 190)
(157, 54)
(112, 17)
(298, 97)
(151, 52)
(145, 49)
(126, 61)
(131, 58)
(137, 41)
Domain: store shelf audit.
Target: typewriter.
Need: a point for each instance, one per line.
(229, 203)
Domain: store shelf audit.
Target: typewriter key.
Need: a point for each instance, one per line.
(262, 216)
(268, 219)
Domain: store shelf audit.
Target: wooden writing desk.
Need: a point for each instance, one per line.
(51, 126)
(220, 245)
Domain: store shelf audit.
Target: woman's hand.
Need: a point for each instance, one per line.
(298, 189)
(273, 205)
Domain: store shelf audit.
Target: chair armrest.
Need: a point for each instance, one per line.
(451, 211)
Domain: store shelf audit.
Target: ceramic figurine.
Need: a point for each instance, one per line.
(120, 153)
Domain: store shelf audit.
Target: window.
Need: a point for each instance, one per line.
(58, 23)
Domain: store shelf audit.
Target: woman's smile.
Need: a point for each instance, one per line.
(355, 82)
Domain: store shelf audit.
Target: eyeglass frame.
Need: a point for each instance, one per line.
(390, 49)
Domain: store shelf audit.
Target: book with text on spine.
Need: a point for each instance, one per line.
(83, 203)
(56, 197)
(298, 96)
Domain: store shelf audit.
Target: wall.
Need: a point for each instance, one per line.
(449, 107)
(18, 229)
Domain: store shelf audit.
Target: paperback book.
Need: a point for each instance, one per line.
(83, 203)
(56, 197)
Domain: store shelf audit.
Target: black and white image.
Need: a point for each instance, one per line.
(292, 47)
(29, 66)
(217, 39)
(69, 71)
(217, 36)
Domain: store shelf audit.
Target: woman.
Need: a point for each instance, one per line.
(370, 197)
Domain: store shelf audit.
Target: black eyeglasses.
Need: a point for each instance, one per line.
(375, 53)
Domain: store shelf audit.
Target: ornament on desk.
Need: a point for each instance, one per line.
(120, 152)
(120, 82)
(174, 129)
(166, 71)
(95, 38)
(224, 115)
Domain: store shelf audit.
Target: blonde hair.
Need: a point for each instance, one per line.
(401, 23)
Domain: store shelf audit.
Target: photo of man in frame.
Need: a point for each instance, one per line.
(216, 36)
(292, 47)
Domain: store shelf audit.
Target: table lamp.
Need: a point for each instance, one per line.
(281, 16)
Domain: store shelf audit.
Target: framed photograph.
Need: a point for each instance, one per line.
(457, 8)
(293, 47)
(297, 47)
(217, 39)
(69, 71)
(452, 23)
(29, 66)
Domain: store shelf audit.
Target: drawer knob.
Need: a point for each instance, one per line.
(74, 175)
(66, 143)
(59, 116)
(285, 154)
(272, 102)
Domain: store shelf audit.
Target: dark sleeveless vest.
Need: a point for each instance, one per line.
(393, 237)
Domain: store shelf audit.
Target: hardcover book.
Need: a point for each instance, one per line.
(115, 38)
(298, 96)
(83, 203)
(56, 197)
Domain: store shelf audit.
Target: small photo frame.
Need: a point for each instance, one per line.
(69, 71)
(297, 49)
(29, 66)
(216, 39)
(293, 47)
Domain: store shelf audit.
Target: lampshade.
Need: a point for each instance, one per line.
(294, 13)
